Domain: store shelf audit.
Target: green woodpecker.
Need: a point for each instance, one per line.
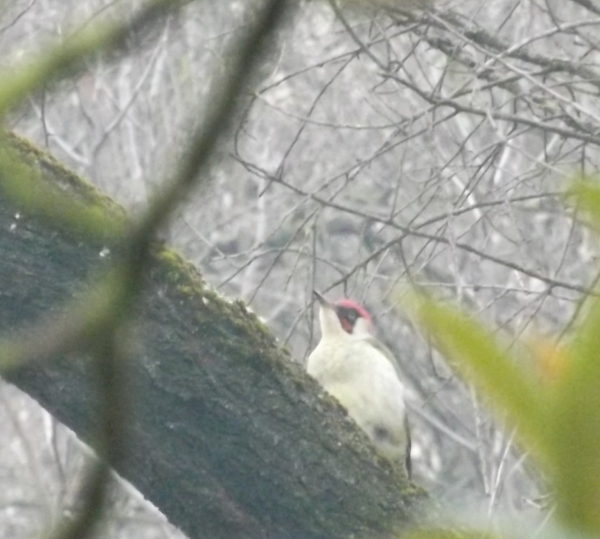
(362, 374)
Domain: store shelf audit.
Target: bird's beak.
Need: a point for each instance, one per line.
(321, 299)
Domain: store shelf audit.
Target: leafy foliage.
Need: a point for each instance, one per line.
(557, 420)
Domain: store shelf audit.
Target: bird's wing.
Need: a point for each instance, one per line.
(378, 345)
(392, 359)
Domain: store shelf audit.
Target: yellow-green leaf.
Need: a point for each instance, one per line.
(475, 352)
(585, 195)
(576, 433)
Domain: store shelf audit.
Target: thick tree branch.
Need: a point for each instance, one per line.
(227, 436)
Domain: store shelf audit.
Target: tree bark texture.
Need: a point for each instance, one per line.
(228, 436)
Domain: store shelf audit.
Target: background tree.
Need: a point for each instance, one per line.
(377, 149)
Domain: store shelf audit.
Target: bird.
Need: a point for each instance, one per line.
(362, 374)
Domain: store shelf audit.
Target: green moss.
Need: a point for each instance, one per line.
(178, 271)
(24, 174)
(225, 324)
(37, 183)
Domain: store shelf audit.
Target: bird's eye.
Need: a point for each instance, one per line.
(352, 316)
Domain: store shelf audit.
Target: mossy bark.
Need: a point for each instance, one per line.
(228, 436)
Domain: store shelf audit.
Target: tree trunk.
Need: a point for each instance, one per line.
(228, 436)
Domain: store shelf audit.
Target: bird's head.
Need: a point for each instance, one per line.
(352, 317)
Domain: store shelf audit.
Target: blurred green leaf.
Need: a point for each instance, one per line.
(557, 415)
(585, 193)
(575, 437)
(476, 354)
(576, 433)
(66, 59)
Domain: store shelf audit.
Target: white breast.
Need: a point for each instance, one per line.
(365, 382)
